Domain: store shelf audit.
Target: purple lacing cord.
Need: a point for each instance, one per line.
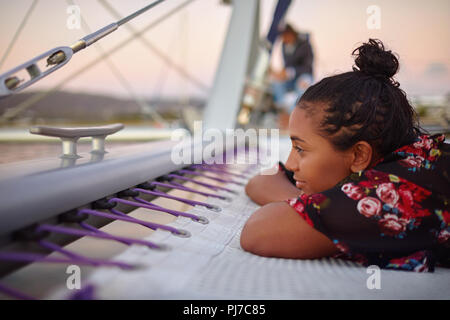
(207, 185)
(119, 215)
(187, 201)
(75, 256)
(209, 177)
(85, 293)
(93, 229)
(213, 169)
(154, 226)
(246, 170)
(79, 232)
(249, 168)
(148, 205)
(32, 257)
(224, 165)
(15, 294)
(175, 185)
(219, 166)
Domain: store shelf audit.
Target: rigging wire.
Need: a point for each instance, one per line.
(199, 84)
(183, 52)
(139, 12)
(13, 112)
(18, 32)
(163, 74)
(122, 79)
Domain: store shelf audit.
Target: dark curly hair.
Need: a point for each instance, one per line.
(365, 104)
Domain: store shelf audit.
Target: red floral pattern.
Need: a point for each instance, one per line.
(392, 225)
(352, 191)
(299, 206)
(369, 207)
(417, 261)
(397, 202)
(387, 193)
(422, 153)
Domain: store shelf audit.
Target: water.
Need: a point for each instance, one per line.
(17, 144)
(14, 152)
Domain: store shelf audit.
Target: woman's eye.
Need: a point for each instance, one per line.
(299, 150)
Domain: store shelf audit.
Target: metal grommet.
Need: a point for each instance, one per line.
(182, 233)
(201, 219)
(138, 267)
(162, 247)
(213, 208)
(227, 199)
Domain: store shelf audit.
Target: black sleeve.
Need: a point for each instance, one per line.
(289, 174)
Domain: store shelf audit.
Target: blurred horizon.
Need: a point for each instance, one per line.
(417, 31)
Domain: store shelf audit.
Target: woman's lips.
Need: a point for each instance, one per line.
(299, 183)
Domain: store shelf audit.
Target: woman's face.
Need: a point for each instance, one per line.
(317, 166)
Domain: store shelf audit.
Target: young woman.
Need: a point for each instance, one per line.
(369, 184)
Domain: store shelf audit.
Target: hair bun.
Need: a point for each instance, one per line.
(373, 59)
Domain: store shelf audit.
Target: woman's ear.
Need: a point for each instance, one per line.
(362, 156)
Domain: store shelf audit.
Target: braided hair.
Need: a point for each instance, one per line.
(365, 104)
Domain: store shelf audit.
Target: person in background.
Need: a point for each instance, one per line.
(290, 83)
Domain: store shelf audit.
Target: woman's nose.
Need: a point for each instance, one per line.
(291, 164)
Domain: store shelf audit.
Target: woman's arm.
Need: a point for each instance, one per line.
(264, 189)
(277, 230)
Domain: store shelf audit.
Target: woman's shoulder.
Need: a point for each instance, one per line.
(425, 162)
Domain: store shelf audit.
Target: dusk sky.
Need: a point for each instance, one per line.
(419, 31)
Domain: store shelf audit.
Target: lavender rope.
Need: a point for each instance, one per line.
(79, 232)
(148, 205)
(14, 293)
(210, 177)
(250, 167)
(118, 215)
(187, 201)
(207, 185)
(31, 257)
(151, 225)
(212, 169)
(175, 185)
(72, 255)
(93, 229)
(86, 293)
(224, 165)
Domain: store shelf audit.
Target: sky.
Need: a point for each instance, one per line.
(418, 31)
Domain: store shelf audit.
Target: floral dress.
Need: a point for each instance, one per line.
(395, 215)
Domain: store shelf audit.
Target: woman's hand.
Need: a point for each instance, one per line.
(264, 189)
